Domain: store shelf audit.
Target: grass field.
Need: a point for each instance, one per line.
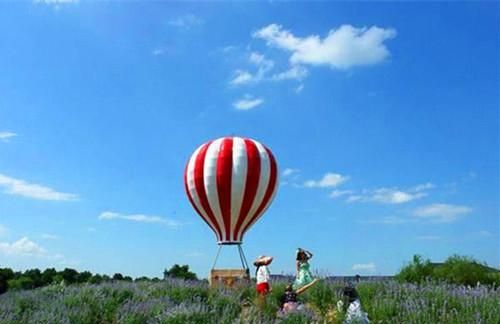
(177, 301)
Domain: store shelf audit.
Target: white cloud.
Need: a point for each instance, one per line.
(295, 72)
(429, 238)
(365, 267)
(22, 247)
(299, 88)
(159, 51)
(354, 198)
(342, 48)
(91, 229)
(423, 187)
(263, 66)
(394, 196)
(6, 136)
(247, 103)
(46, 236)
(391, 195)
(390, 220)
(30, 190)
(241, 77)
(441, 213)
(328, 180)
(186, 21)
(290, 171)
(339, 193)
(107, 215)
(228, 48)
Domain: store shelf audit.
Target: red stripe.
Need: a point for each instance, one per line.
(200, 186)
(224, 175)
(251, 184)
(192, 201)
(269, 191)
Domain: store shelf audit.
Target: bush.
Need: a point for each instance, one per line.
(463, 270)
(6, 274)
(456, 269)
(182, 272)
(21, 283)
(416, 271)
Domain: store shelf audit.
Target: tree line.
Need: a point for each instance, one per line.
(456, 269)
(35, 278)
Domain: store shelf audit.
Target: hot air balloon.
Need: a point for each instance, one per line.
(230, 182)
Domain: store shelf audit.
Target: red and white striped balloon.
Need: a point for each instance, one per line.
(230, 182)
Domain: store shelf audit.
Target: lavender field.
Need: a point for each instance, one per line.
(177, 301)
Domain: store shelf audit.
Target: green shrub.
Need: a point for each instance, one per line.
(463, 270)
(21, 283)
(416, 271)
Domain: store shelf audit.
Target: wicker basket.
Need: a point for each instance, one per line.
(229, 278)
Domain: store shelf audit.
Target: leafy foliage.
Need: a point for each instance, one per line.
(178, 271)
(416, 271)
(456, 269)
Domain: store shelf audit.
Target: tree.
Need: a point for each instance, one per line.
(456, 269)
(36, 277)
(177, 271)
(463, 270)
(48, 276)
(117, 276)
(70, 276)
(84, 276)
(96, 279)
(6, 274)
(416, 271)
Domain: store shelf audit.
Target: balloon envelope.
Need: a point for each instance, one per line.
(230, 182)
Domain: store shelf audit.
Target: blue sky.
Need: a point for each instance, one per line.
(383, 117)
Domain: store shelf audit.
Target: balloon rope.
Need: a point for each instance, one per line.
(243, 258)
(217, 256)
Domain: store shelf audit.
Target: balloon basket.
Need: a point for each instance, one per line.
(229, 278)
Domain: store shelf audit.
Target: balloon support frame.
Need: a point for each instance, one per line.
(230, 277)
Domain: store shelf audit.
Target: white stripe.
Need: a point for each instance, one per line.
(192, 190)
(275, 190)
(210, 181)
(265, 170)
(238, 179)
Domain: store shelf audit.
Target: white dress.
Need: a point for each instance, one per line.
(263, 274)
(355, 314)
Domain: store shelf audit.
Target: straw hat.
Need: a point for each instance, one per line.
(263, 260)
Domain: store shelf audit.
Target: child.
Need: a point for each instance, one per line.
(262, 274)
(304, 275)
(288, 300)
(352, 306)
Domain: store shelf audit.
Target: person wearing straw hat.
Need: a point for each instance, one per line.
(262, 274)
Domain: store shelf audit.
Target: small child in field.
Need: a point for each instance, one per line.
(288, 300)
(352, 306)
(263, 274)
